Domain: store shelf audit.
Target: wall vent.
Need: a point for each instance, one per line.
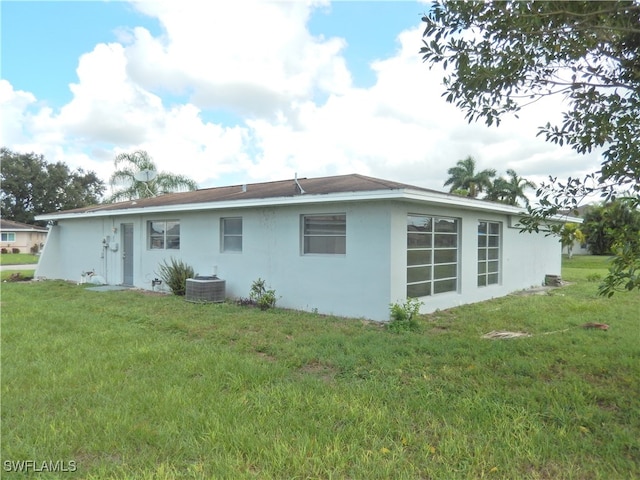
(205, 289)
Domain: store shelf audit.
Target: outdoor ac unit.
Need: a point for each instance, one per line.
(205, 289)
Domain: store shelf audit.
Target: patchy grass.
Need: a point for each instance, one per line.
(135, 385)
(18, 259)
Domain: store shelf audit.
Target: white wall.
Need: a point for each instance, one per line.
(361, 283)
(355, 284)
(76, 246)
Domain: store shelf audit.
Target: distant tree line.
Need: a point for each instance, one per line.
(32, 186)
(609, 226)
(466, 181)
(606, 227)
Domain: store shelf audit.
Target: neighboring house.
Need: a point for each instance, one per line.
(346, 245)
(21, 236)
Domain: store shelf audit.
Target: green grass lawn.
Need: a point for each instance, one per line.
(138, 385)
(18, 258)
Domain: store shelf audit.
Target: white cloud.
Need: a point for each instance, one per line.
(254, 57)
(14, 105)
(301, 112)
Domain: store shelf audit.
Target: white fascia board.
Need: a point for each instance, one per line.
(305, 199)
(450, 200)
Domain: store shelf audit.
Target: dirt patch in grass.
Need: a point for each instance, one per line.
(267, 356)
(152, 293)
(438, 329)
(320, 370)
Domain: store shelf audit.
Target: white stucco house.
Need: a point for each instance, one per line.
(346, 245)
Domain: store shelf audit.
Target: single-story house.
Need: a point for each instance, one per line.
(346, 245)
(21, 236)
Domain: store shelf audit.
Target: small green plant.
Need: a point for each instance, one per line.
(175, 274)
(594, 277)
(403, 315)
(262, 297)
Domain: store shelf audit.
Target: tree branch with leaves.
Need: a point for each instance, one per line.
(501, 56)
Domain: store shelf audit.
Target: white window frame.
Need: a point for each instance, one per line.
(8, 237)
(489, 266)
(226, 238)
(168, 241)
(431, 255)
(335, 239)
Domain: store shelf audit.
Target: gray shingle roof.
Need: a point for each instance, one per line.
(281, 188)
(10, 225)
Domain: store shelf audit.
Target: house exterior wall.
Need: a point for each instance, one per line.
(76, 246)
(361, 283)
(356, 284)
(525, 258)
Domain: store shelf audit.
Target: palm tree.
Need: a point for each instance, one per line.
(129, 165)
(464, 177)
(511, 190)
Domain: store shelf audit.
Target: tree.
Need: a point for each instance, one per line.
(128, 165)
(464, 177)
(600, 222)
(569, 235)
(501, 56)
(32, 186)
(510, 190)
(614, 229)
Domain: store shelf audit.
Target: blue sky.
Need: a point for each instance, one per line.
(230, 92)
(42, 41)
(60, 31)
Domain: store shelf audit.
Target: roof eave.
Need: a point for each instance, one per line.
(416, 195)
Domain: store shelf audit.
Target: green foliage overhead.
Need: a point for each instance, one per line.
(501, 56)
(127, 187)
(32, 186)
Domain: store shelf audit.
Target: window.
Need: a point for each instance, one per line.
(8, 237)
(164, 234)
(488, 253)
(231, 231)
(432, 255)
(324, 234)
